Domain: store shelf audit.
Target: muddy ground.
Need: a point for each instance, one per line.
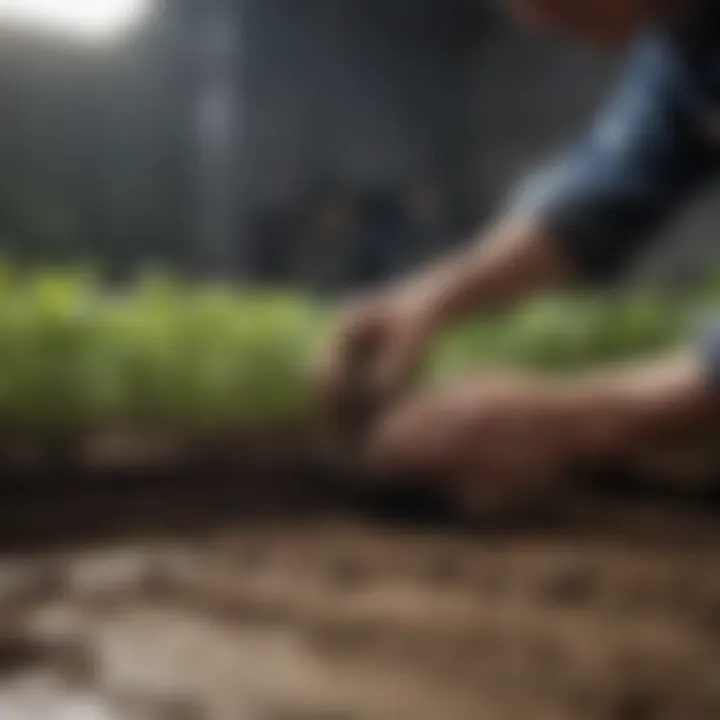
(609, 611)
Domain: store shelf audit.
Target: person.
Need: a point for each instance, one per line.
(501, 437)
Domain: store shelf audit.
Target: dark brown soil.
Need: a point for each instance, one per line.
(303, 610)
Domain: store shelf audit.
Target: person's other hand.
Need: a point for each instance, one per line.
(508, 439)
(494, 442)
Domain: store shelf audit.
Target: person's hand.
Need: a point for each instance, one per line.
(503, 440)
(382, 339)
(378, 343)
(494, 442)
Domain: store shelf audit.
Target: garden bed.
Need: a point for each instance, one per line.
(216, 593)
(611, 612)
(160, 564)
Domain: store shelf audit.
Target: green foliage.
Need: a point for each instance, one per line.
(211, 358)
(557, 334)
(193, 358)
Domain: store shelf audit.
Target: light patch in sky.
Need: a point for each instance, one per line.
(91, 19)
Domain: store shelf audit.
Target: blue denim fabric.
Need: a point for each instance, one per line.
(655, 144)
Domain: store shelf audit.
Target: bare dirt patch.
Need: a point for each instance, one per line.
(612, 615)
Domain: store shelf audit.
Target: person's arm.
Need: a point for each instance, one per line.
(586, 218)
(514, 259)
(590, 215)
(615, 411)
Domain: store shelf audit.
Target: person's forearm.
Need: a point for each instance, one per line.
(662, 401)
(514, 260)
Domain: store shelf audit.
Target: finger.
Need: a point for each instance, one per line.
(411, 439)
(334, 370)
(493, 490)
(513, 476)
(326, 380)
(398, 360)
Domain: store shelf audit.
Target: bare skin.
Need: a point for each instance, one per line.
(513, 261)
(499, 438)
(522, 431)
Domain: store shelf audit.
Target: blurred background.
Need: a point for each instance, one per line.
(325, 143)
(325, 146)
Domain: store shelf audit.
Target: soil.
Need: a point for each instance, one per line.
(608, 611)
